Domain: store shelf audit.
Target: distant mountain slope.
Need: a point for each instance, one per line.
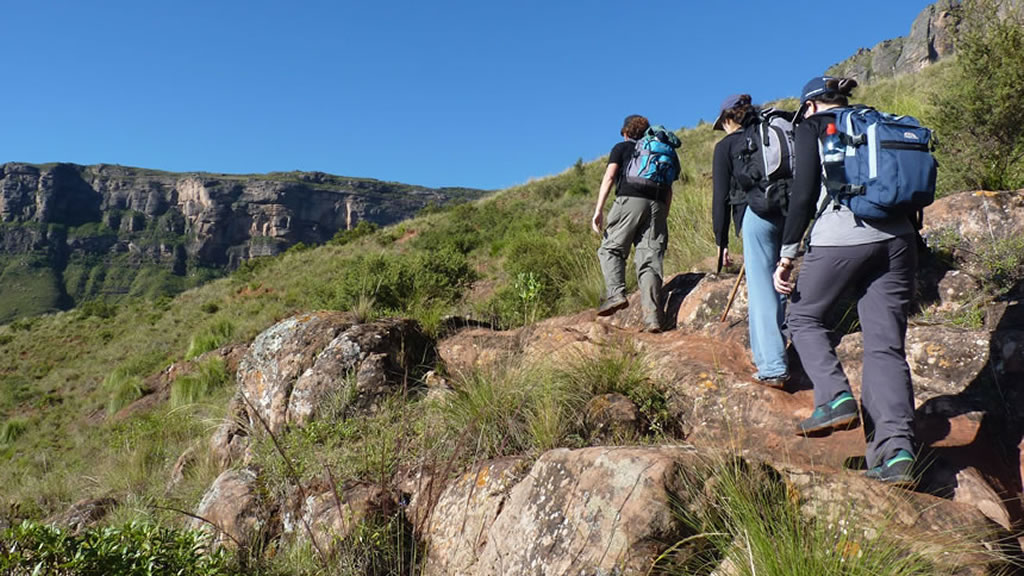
(71, 232)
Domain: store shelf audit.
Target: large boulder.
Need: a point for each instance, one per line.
(459, 527)
(594, 510)
(324, 359)
(234, 510)
(329, 515)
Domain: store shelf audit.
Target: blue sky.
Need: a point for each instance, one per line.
(445, 93)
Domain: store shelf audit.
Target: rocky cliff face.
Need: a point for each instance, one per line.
(84, 224)
(932, 38)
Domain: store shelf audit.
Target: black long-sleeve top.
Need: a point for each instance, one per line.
(807, 178)
(723, 184)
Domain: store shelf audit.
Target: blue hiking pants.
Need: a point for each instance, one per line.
(762, 240)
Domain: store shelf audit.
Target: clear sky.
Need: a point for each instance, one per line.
(480, 93)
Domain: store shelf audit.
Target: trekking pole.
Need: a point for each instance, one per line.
(732, 296)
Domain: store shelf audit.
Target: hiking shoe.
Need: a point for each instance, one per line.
(896, 471)
(777, 382)
(652, 327)
(839, 414)
(612, 305)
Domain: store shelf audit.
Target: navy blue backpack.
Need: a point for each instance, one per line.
(889, 166)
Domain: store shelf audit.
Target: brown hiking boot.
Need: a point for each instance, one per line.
(612, 305)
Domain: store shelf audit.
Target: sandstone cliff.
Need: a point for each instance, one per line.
(932, 38)
(70, 232)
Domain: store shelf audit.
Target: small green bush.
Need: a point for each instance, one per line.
(363, 228)
(133, 549)
(97, 307)
(210, 338)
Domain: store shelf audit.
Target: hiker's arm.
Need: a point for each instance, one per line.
(806, 187)
(606, 187)
(721, 168)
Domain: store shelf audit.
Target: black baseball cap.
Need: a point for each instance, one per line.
(729, 103)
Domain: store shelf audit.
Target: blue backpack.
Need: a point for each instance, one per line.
(654, 163)
(889, 167)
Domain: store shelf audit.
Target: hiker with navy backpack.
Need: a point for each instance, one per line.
(751, 174)
(863, 175)
(643, 166)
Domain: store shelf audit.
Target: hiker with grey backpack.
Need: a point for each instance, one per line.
(864, 176)
(751, 175)
(643, 167)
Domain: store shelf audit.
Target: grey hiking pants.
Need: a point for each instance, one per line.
(883, 275)
(642, 223)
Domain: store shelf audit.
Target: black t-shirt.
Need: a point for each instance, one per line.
(621, 154)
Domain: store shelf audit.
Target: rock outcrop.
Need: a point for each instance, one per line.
(931, 39)
(80, 221)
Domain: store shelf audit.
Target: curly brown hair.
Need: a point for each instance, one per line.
(741, 111)
(634, 126)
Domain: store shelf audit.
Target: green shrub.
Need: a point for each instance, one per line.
(979, 120)
(363, 228)
(399, 283)
(128, 550)
(191, 388)
(97, 307)
(1002, 263)
(210, 338)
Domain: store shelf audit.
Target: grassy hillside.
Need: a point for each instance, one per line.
(512, 258)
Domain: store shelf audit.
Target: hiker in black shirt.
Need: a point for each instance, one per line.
(637, 218)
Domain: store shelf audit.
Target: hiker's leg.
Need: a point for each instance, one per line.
(887, 394)
(650, 253)
(762, 240)
(825, 272)
(615, 245)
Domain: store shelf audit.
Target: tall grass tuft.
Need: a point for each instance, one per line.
(620, 368)
(748, 519)
(489, 406)
(210, 338)
(123, 386)
(191, 388)
(11, 430)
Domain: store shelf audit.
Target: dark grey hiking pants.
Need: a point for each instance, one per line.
(883, 276)
(642, 223)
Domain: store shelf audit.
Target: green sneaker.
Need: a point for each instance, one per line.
(839, 414)
(896, 470)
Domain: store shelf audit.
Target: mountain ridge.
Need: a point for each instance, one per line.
(84, 231)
